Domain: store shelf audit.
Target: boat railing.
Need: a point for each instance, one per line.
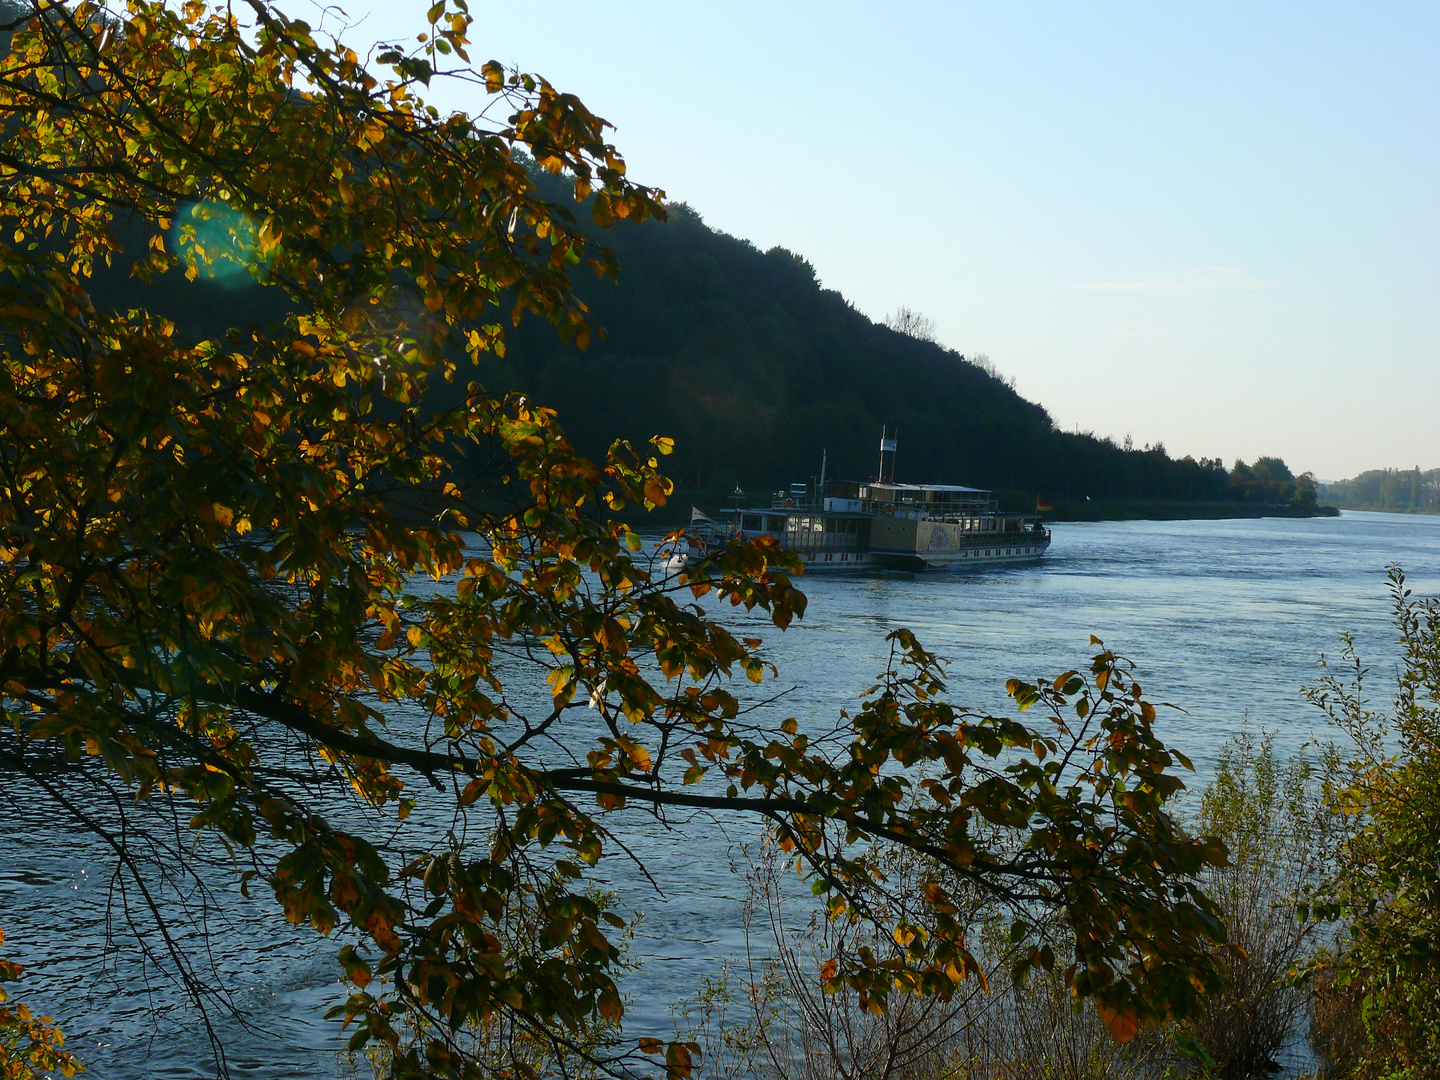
(782, 500)
(800, 498)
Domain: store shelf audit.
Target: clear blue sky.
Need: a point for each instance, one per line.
(1216, 226)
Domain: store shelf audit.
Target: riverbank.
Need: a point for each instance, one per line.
(1372, 509)
(1158, 509)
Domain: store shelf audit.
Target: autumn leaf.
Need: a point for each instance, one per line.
(1123, 1024)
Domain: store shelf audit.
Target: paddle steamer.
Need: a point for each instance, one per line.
(846, 525)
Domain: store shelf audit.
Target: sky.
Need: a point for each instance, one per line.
(1215, 226)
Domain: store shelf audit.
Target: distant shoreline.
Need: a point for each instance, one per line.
(1419, 511)
(1176, 510)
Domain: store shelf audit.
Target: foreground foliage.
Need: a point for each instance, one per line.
(767, 1017)
(1386, 891)
(1345, 841)
(28, 1042)
(248, 578)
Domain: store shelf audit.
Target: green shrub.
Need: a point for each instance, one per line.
(1273, 819)
(1386, 889)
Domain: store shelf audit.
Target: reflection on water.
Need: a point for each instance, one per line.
(1223, 618)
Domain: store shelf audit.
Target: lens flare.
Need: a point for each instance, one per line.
(218, 242)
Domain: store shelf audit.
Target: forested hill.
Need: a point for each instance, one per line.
(754, 368)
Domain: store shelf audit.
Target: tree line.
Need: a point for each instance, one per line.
(1398, 490)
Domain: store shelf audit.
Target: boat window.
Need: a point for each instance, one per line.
(775, 524)
(819, 525)
(792, 524)
(752, 523)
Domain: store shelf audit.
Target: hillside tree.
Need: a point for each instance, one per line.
(912, 324)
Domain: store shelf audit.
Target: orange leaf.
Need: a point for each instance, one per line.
(1122, 1025)
(678, 1060)
(610, 1006)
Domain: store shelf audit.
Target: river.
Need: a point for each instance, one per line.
(1225, 619)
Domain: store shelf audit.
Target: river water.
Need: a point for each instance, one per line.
(1225, 619)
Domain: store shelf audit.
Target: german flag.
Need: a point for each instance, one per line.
(1042, 507)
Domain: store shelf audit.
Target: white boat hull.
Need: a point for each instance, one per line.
(965, 558)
